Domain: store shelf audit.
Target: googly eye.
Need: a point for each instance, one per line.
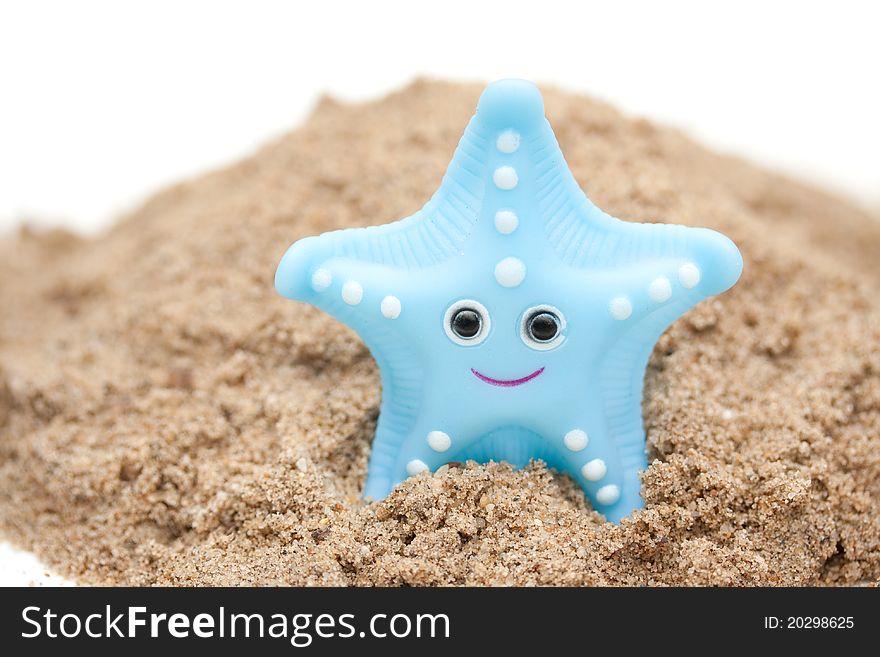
(542, 328)
(467, 322)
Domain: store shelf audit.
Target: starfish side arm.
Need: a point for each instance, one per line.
(644, 300)
(365, 296)
(621, 375)
(585, 237)
(690, 265)
(657, 273)
(357, 292)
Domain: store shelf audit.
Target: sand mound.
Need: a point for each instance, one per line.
(165, 418)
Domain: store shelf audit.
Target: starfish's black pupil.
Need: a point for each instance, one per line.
(466, 323)
(543, 327)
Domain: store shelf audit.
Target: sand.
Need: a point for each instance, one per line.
(166, 419)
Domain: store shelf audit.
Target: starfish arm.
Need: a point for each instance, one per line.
(385, 470)
(641, 299)
(407, 445)
(620, 376)
(428, 237)
(403, 451)
(585, 449)
(685, 266)
(359, 293)
(373, 300)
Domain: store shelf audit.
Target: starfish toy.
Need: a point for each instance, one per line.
(511, 319)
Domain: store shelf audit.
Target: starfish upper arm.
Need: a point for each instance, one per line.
(427, 237)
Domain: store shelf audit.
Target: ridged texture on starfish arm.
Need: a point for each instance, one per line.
(510, 317)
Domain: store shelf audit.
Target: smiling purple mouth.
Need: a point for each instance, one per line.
(506, 383)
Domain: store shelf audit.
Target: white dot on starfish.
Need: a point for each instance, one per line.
(508, 141)
(510, 272)
(439, 441)
(594, 470)
(660, 289)
(576, 440)
(505, 177)
(506, 222)
(390, 307)
(321, 280)
(352, 293)
(621, 308)
(608, 494)
(415, 466)
(688, 275)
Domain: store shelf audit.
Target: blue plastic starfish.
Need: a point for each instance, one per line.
(510, 317)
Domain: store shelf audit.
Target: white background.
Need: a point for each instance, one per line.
(102, 103)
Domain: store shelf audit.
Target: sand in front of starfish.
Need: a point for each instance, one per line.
(166, 418)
